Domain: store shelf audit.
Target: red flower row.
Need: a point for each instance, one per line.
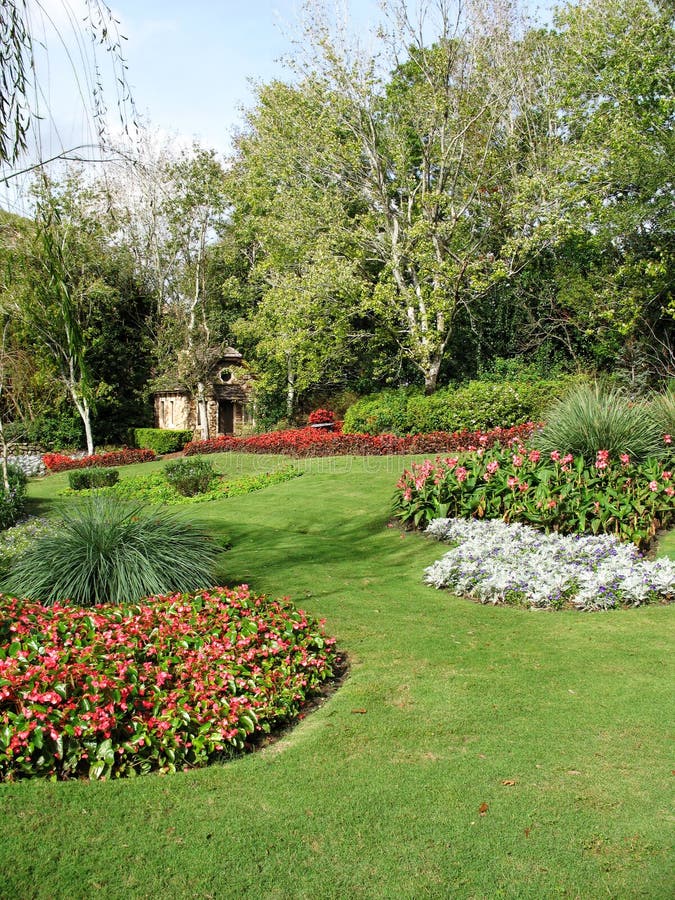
(308, 442)
(57, 462)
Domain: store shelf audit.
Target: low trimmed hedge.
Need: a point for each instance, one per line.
(83, 479)
(478, 406)
(161, 440)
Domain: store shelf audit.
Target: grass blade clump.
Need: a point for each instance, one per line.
(662, 411)
(104, 551)
(591, 419)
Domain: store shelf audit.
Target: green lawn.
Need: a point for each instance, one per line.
(555, 725)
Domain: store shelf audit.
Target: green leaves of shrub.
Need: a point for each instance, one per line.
(190, 476)
(161, 440)
(12, 504)
(85, 479)
(105, 551)
(478, 405)
(591, 419)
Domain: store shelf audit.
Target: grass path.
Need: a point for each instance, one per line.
(379, 793)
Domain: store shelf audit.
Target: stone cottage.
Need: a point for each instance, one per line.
(229, 401)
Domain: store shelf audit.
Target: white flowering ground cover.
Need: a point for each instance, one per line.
(500, 563)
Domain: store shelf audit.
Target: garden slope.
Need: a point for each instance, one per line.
(378, 794)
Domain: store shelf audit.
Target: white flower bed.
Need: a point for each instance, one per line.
(496, 562)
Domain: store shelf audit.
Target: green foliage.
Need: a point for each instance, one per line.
(591, 418)
(662, 411)
(479, 405)
(190, 476)
(556, 493)
(155, 488)
(17, 539)
(12, 503)
(106, 551)
(56, 430)
(87, 479)
(161, 440)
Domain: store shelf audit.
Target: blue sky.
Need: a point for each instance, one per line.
(190, 64)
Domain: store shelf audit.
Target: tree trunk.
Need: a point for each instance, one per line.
(290, 388)
(203, 410)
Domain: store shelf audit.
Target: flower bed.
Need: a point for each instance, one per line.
(498, 563)
(172, 683)
(57, 462)
(551, 492)
(310, 442)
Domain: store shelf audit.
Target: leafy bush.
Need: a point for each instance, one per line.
(495, 562)
(57, 462)
(554, 493)
(190, 476)
(172, 683)
(155, 488)
(18, 538)
(161, 440)
(83, 479)
(592, 418)
(49, 432)
(105, 551)
(311, 442)
(479, 405)
(12, 503)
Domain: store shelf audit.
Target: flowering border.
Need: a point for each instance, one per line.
(312, 442)
(512, 564)
(174, 682)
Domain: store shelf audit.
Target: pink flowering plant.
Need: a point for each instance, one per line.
(551, 491)
(171, 683)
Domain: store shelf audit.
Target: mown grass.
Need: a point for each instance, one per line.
(379, 792)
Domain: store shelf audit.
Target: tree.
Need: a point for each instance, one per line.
(24, 62)
(606, 280)
(418, 162)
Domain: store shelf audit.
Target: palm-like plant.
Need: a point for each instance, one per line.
(591, 418)
(106, 551)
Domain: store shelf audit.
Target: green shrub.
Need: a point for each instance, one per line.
(190, 476)
(49, 432)
(83, 479)
(591, 418)
(479, 405)
(104, 551)
(161, 440)
(12, 504)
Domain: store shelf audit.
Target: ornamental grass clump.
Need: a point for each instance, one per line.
(591, 418)
(512, 564)
(105, 551)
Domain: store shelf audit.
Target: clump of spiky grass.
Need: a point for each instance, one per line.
(106, 551)
(662, 411)
(591, 418)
